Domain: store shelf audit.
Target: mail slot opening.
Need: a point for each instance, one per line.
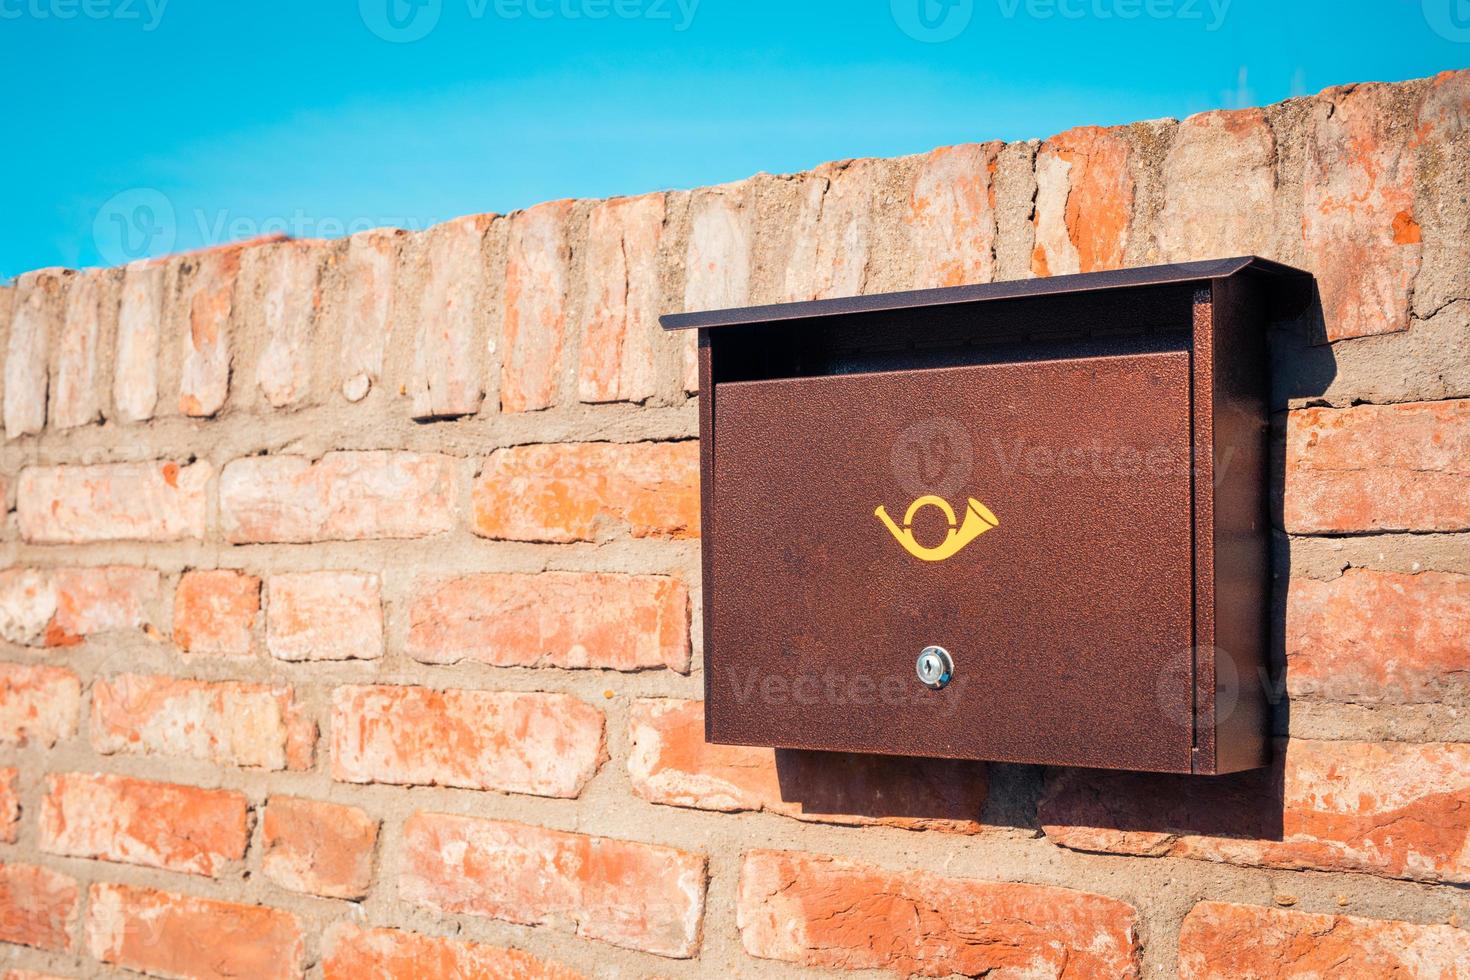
(1016, 522)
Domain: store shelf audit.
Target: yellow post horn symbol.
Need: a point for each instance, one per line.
(978, 520)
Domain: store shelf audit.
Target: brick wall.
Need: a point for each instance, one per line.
(348, 585)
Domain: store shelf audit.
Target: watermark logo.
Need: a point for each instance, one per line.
(933, 21)
(405, 21)
(400, 21)
(935, 456)
(1450, 19)
(142, 223)
(147, 13)
(135, 224)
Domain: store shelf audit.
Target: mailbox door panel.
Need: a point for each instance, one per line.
(1063, 593)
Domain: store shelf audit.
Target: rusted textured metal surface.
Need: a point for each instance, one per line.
(1066, 492)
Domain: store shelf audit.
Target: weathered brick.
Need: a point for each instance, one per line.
(1440, 218)
(534, 324)
(1084, 201)
(717, 261)
(38, 704)
(35, 316)
(589, 491)
(325, 616)
(623, 300)
(1219, 188)
(171, 935)
(638, 896)
(344, 496)
(1221, 941)
(208, 285)
(559, 619)
(1358, 224)
(30, 975)
(354, 953)
(61, 607)
(831, 236)
(292, 303)
(76, 397)
(214, 612)
(38, 906)
(1378, 468)
(318, 848)
(1394, 809)
(541, 744)
(371, 274)
(9, 805)
(156, 501)
(222, 722)
(135, 821)
(139, 330)
(1371, 636)
(951, 217)
(828, 912)
(448, 377)
(671, 763)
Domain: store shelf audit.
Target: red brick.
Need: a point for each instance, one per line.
(37, 906)
(535, 312)
(541, 744)
(9, 805)
(623, 300)
(135, 821)
(61, 607)
(35, 317)
(559, 619)
(214, 612)
(637, 896)
(344, 496)
(76, 397)
(371, 274)
(30, 975)
(951, 216)
(1220, 941)
(831, 243)
(318, 848)
(1084, 201)
(291, 305)
(355, 953)
(155, 501)
(38, 704)
(671, 763)
(717, 262)
(448, 378)
(1395, 809)
(1358, 190)
(325, 616)
(589, 491)
(1371, 636)
(171, 935)
(139, 330)
(221, 722)
(207, 281)
(1378, 468)
(1219, 188)
(828, 912)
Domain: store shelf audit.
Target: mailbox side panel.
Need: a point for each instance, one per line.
(1234, 723)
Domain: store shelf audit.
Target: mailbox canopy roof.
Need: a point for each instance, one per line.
(1292, 292)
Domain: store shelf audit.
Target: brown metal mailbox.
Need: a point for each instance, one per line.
(1023, 521)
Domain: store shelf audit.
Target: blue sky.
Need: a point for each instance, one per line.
(138, 126)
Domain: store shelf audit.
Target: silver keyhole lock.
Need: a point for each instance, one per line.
(935, 668)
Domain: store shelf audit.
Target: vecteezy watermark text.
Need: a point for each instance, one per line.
(146, 12)
(405, 21)
(143, 223)
(933, 21)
